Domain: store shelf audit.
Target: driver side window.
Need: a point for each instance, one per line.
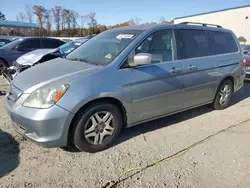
(161, 45)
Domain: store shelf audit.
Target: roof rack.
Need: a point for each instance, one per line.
(203, 24)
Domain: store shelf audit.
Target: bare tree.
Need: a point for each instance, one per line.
(82, 21)
(48, 21)
(137, 20)
(68, 18)
(92, 22)
(39, 11)
(74, 17)
(63, 19)
(57, 12)
(162, 20)
(131, 22)
(29, 13)
(20, 17)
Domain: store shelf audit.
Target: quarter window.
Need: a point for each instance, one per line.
(51, 43)
(224, 42)
(161, 45)
(193, 43)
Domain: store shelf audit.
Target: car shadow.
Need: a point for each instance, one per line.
(242, 94)
(9, 153)
(177, 118)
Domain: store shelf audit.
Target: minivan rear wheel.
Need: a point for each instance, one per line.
(223, 96)
(96, 127)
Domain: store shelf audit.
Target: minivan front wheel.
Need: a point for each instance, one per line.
(96, 127)
(224, 94)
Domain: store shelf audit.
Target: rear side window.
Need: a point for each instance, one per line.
(31, 44)
(51, 43)
(193, 43)
(224, 42)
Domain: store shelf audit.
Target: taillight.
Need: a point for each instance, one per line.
(244, 61)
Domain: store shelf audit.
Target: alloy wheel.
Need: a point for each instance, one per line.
(99, 128)
(224, 94)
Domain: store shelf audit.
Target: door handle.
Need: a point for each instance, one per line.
(174, 70)
(192, 67)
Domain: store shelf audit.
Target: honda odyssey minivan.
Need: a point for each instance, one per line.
(121, 78)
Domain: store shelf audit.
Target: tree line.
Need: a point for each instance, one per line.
(62, 22)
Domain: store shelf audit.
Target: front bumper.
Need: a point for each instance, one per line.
(45, 127)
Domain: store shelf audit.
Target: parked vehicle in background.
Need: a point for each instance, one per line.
(66, 40)
(123, 77)
(11, 51)
(247, 67)
(4, 41)
(246, 49)
(15, 38)
(39, 56)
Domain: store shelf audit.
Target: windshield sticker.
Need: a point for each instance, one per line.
(78, 43)
(125, 36)
(108, 56)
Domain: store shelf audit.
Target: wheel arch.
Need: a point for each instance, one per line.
(5, 61)
(111, 100)
(228, 77)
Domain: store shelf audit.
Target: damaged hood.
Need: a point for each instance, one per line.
(34, 56)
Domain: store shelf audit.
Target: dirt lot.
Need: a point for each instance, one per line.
(223, 161)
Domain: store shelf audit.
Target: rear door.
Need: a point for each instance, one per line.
(156, 89)
(200, 67)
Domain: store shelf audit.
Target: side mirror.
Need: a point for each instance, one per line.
(18, 48)
(141, 59)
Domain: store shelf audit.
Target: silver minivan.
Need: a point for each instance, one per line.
(123, 77)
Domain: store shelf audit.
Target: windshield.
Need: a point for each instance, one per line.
(12, 44)
(70, 46)
(105, 47)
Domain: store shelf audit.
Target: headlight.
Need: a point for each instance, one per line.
(45, 97)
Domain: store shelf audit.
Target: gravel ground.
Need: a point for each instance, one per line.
(222, 161)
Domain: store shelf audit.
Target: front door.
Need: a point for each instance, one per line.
(156, 89)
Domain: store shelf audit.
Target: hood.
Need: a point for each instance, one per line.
(34, 56)
(51, 71)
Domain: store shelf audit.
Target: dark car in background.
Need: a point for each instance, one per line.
(13, 50)
(39, 56)
(4, 41)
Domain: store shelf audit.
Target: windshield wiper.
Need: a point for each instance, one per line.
(83, 60)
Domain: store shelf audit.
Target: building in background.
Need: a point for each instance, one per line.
(236, 19)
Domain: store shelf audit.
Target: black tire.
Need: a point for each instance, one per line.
(217, 105)
(3, 66)
(80, 125)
